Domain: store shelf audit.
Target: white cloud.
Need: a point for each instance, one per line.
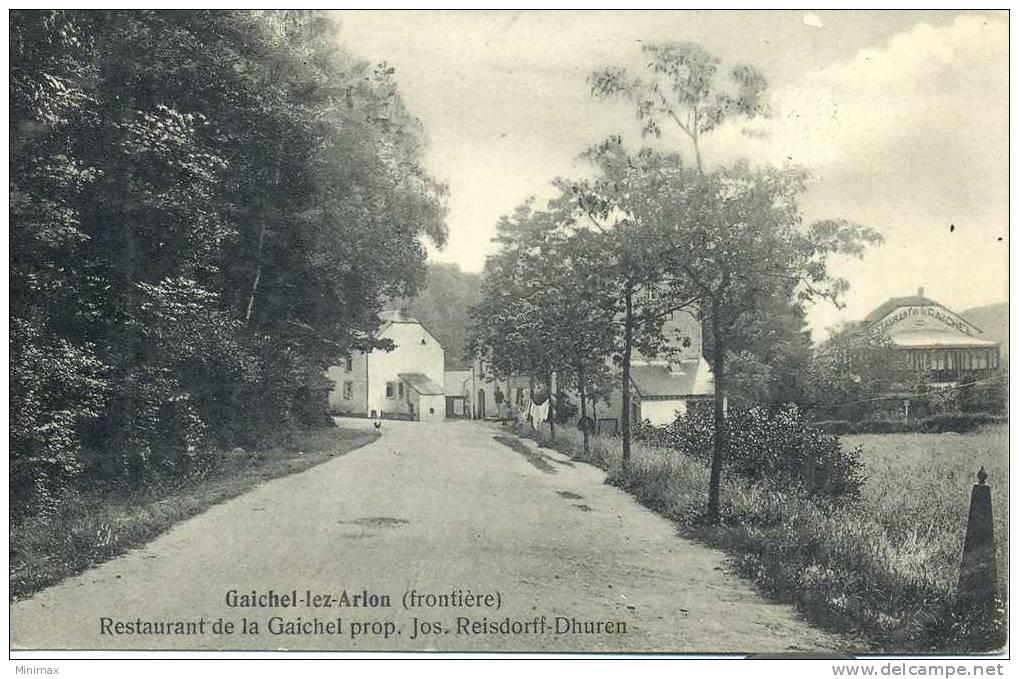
(902, 123)
(908, 138)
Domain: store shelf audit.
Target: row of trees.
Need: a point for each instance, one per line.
(582, 283)
(206, 210)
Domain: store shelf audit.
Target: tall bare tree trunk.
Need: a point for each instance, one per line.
(718, 452)
(583, 408)
(258, 276)
(624, 424)
(258, 257)
(551, 419)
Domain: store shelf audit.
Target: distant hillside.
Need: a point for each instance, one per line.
(993, 320)
(443, 307)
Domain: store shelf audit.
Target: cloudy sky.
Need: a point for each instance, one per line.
(901, 117)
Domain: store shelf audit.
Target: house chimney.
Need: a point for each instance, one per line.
(919, 291)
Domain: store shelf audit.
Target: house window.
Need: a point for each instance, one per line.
(350, 364)
(390, 389)
(399, 388)
(348, 390)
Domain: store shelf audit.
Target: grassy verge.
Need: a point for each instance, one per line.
(87, 528)
(881, 571)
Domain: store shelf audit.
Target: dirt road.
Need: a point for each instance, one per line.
(555, 561)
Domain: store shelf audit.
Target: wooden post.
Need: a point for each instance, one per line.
(978, 575)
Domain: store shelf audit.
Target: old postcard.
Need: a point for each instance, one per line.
(616, 332)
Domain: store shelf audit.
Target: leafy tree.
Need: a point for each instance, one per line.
(443, 306)
(545, 308)
(849, 374)
(618, 210)
(745, 244)
(737, 241)
(681, 87)
(584, 319)
(507, 330)
(767, 353)
(207, 208)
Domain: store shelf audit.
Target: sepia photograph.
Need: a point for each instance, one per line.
(592, 333)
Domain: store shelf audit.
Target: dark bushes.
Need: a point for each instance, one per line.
(836, 427)
(988, 397)
(959, 423)
(882, 427)
(777, 445)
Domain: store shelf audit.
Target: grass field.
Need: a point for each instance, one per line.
(881, 571)
(89, 528)
(919, 484)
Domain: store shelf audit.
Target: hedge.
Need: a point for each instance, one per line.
(959, 423)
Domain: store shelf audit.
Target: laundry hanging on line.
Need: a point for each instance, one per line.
(540, 413)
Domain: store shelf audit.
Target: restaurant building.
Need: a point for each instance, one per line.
(930, 339)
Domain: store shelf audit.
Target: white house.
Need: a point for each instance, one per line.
(406, 382)
(664, 386)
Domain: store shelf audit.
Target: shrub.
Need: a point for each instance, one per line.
(883, 427)
(778, 445)
(988, 397)
(836, 427)
(959, 423)
(58, 389)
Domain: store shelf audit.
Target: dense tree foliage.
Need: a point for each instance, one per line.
(443, 306)
(618, 209)
(547, 307)
(850, 375)
(207, 208)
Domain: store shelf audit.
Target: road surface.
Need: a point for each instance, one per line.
(504, 551)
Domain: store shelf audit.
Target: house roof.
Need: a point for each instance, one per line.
(390, 316)
(659, 380)
(894, 303)
(421, 384)
(393, 316)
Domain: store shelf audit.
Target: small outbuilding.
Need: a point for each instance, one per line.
(425, 398)
(661, 392)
